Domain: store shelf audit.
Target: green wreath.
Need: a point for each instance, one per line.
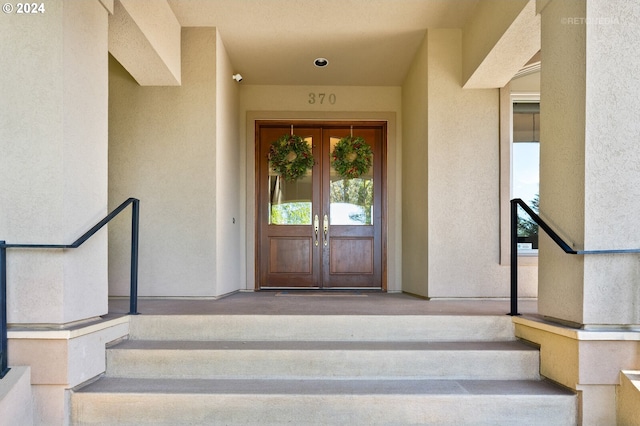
(290, 157)
(352, 157)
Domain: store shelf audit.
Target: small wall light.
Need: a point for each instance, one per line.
(237, 77)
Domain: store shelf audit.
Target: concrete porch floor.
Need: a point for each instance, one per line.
(321, 303)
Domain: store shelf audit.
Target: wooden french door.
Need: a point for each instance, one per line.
(321, 230)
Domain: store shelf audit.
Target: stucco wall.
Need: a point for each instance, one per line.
(589, 162)
(228, 184)
(612, 161)
(415, 188)
(162, 150)
(562, 129)
(463, 177)
(53, 139)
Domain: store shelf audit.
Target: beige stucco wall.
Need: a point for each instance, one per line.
(463, 177)
(612, 161)
(351, 103)
(415, 188)
(164, 149)
(526, 85)
(589, 175)
(53, 139)
(229, 189)
(562, 128)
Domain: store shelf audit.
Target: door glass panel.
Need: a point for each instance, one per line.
(351, 200)
(290, 202)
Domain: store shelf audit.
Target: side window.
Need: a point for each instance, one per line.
(525, 170)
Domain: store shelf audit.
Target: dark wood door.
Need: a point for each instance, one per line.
(321, 230)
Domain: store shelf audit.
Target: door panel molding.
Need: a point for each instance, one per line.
(359, 250)
(290, 255)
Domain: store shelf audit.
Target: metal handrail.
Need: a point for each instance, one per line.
(554, 236)
(133, 297)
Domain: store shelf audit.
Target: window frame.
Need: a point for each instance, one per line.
(507, 99)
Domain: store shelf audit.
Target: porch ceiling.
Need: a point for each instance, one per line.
(367, 42)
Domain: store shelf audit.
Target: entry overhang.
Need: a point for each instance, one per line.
(491, 55)
(144, 36)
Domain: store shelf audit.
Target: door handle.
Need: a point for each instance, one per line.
(316, 226)
(326, 229)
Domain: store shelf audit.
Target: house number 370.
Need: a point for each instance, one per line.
(321, 98)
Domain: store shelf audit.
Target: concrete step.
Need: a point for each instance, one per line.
(322, 369)
(402, 328)
(295, 359)
(173, 402)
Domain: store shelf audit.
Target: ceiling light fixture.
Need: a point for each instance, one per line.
(321, 62)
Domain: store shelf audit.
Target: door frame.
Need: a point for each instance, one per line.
(392, 264)
(323, 123)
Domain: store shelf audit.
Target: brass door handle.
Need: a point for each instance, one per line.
(316, 226)
(326, 229)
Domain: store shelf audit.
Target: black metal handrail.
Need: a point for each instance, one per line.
(552, 234)
(133, 302)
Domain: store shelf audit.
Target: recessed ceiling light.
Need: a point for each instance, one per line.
(321, 62)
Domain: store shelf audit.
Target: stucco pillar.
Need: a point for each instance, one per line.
(590, 161)
(53, 161)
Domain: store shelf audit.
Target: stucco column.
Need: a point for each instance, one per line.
(590, 160)
(53, 161)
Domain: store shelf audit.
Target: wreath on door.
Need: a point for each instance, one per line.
(351, 157)
(290, 157)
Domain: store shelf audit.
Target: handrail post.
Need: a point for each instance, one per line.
(4, 346)
(514, 258)
(135, 232)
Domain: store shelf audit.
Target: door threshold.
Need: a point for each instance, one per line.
(322, 289)
(351, 292)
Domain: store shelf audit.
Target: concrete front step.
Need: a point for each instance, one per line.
(322, 369)
(403, 328)
(269, 359)
(121, 401)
